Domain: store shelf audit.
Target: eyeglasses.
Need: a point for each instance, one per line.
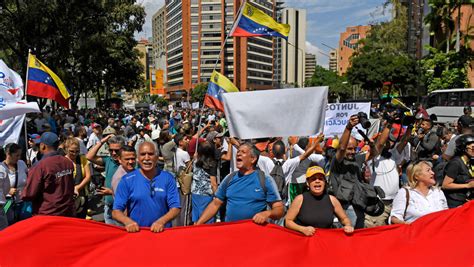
(470, 148)
(152, 188)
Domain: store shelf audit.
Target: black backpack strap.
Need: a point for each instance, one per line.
(261, 178)
(407, 192)
(230, 176)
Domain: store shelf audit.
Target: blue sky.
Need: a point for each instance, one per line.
(325, 19)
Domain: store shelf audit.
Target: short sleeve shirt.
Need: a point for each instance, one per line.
(245, 196)
(457, 170)
(111, 167)
(147, 200)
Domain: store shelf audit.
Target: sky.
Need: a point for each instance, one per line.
(325, 19)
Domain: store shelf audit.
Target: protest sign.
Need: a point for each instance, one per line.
(280, 112)
(338, 114)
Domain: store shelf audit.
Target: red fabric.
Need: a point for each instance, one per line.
(213, 102)
(46, 91)
(439, 239)
(239, 32)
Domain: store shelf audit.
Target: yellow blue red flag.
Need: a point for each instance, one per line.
(254, 22)
(218, 85)
(43, 82)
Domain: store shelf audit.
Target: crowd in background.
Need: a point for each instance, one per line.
(168, 168)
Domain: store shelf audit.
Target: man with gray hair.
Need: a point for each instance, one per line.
(149, 194)
(247, 192)
(111, 164)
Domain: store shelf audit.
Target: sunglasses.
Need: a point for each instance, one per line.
(114, 150)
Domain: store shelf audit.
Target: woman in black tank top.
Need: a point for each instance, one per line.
(315, 208)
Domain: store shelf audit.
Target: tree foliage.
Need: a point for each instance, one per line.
(446, 70)
(198, 93)
(384, 58)
(338, 86)
(88, 43)
(371, 70)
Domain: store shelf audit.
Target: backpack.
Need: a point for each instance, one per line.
(279, 178)
(261, 178)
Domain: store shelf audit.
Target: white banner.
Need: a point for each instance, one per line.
(11, 85)
(195, 105)
(338, 114)
(280, 112)
(12, 109)
(11, 129)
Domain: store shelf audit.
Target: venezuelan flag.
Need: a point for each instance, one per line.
(43, 82)
(254, 22)
(218, 85)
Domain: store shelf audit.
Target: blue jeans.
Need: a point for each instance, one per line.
(357, 216)
(108, 215)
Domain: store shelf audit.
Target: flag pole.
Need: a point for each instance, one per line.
(239, 13)
(26, 99)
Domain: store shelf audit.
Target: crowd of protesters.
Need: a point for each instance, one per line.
(169, 168)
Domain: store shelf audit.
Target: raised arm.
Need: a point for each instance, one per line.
(92, 154)
(341, 152)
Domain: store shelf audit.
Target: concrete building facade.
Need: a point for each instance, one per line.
(333, 60)
(159, 42)
(348, 44)
(310, 66)
(293, 51)
(195, 32)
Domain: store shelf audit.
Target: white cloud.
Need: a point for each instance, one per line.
(321, 59)
(151, 6)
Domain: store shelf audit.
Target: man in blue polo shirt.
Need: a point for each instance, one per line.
(149, 195)
(245, 194)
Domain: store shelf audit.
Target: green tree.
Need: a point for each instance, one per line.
(88, 43)
(388, 37)
(338, 86)
(371, 70)
(198, 93)
(446, 70)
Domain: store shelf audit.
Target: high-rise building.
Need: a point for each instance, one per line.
(146, 57)
(278, 47)
(348, 44)
(333, 60)
(159, 42)
(293, 51)
(310, 66)
(195, 32)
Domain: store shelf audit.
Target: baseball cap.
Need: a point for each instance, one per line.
(210, 136)
(109, 130)
(314, 170)
(48, 138)
(35, 137)
(95, 125)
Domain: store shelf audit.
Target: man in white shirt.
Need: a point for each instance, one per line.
(96, 135)
(181, 159)
(386, 169)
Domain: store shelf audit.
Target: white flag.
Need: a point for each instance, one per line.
(11, 85)
(11, 129)
(13, 109)
(196, 105)
(281, 112)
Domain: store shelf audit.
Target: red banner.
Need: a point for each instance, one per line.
(439, 239)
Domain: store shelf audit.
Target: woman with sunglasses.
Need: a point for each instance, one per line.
(315, 208)
(82, 174)
(458, 183)
(16, 170)
(420, 199)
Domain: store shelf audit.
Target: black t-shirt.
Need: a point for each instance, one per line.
(457, 169)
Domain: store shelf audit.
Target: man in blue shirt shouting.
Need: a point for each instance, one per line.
(246, 192)
(149, 195)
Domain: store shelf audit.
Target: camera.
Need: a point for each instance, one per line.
(364, 120)
(397, 115)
